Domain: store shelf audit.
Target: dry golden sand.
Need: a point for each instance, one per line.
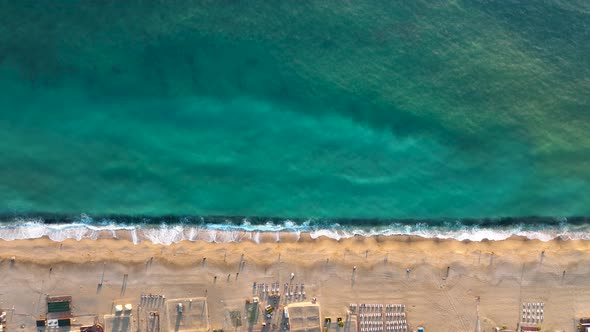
(501, 273)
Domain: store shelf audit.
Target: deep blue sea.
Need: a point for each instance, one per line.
(435, 118)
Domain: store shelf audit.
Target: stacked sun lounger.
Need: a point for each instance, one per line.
(152, 301)
(395, 318)
(379, 318)
(263, 290)
(370, 322)
(364, 308)
(369, 316)
(290, 292)
(533, 312)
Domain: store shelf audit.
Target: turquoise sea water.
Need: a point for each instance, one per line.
(324, 109)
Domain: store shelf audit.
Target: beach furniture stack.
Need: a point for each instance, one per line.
(291, 292)
(266, 291)
(152, 301)
(380, 318)
(370, 318)
(532, 312)
(395, 318)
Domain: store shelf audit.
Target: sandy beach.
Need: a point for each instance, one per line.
(440, 290)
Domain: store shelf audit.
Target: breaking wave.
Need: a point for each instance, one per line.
(169, 230)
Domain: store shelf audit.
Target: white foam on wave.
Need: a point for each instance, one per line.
(163, 235)
(330, 233)
(169, 234)
(462, 233)
(34, 229)
(256, 237)
(134, 237)
(192, 234)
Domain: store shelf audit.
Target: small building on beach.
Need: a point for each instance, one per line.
(59, 313)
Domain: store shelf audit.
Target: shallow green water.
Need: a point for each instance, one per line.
(296, 109)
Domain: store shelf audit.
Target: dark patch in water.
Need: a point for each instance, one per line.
(50, 218)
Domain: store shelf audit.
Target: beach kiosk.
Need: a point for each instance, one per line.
(59, 313)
